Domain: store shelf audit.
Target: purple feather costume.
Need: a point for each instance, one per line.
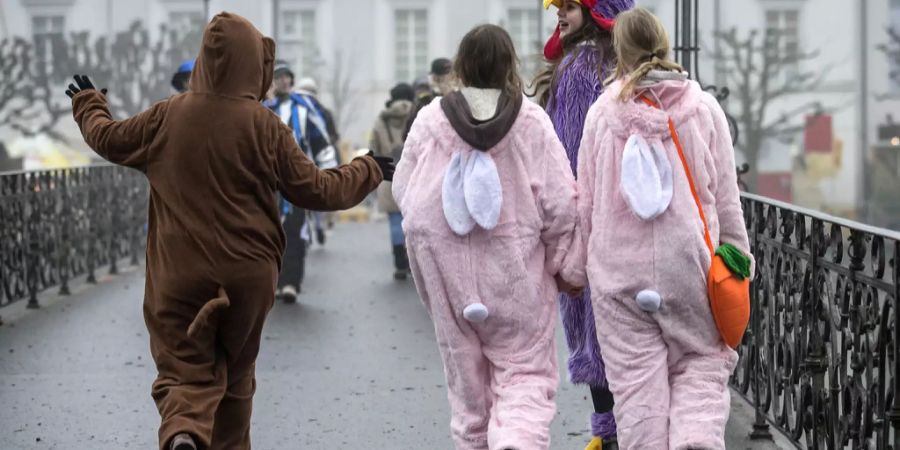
(578, 85)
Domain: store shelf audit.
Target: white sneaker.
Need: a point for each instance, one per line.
(289, 294)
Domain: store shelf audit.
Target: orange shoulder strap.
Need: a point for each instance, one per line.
(687, 172)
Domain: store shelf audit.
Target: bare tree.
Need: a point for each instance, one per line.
(759, 74)
(27, 101)
(137, 72)
(15, 60)
(343, 91)
(892, 51)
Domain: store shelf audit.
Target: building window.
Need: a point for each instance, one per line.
(47, 31)
(297, 40)
(523, 24)
(47, 25)
(410, 43)
(186, 21)
(783, 39)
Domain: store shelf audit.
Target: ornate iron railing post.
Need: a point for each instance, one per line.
(814, 362)
(894, 414)
(93, 228)
(760, 425)
(113, 200)
(65, 237)
(687, 34)
(857, 314)
(33, 239)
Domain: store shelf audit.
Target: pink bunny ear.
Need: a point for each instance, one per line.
(553, 48)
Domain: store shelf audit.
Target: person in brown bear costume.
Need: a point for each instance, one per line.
(215, 158)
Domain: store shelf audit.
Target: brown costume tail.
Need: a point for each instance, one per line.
(208, 314)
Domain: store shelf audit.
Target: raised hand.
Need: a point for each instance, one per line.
(83, 83)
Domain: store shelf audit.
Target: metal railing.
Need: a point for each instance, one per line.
(819, 361)
(59, 224)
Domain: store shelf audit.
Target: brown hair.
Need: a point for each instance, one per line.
(601, 41)
(487, 59)
(642, 45)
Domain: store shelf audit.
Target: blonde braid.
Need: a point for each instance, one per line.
(642, 45)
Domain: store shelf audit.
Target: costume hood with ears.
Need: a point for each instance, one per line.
(236, 60)
(603, 12)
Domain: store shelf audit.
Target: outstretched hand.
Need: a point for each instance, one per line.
(386, 164)
(83, 83)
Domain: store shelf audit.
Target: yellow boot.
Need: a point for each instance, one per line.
(595, 444)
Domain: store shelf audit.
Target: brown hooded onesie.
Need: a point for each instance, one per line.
(215, 158)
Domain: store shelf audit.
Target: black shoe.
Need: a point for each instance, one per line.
(183, 441)
(400, 274)
(401, 259)
(320, 236)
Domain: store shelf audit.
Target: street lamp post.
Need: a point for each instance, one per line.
(686, 41)
(276, 9)
(205, 10)
(540, 23)
(862, 186)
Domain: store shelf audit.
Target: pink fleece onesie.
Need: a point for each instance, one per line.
(667, 369)
(501, 373)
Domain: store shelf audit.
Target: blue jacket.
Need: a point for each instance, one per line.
(308, 125)
(309, 129)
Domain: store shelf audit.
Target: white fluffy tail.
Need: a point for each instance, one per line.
(476, 312)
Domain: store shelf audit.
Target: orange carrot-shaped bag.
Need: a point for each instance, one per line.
(729, 293)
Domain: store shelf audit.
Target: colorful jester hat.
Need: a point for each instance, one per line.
(603, 12)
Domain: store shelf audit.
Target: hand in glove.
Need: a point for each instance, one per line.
(386, 164)
(84, 83)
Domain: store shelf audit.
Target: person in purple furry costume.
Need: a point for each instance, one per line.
(581, 56)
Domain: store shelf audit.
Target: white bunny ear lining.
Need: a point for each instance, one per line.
(646, 177)
(472, 193)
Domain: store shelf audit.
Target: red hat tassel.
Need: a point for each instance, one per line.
(553, 49)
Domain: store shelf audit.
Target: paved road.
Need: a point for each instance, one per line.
(353, 365)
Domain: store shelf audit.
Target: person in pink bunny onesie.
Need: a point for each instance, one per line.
(489, 211)
(647, 261)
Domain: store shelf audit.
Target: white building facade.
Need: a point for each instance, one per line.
(369, 45)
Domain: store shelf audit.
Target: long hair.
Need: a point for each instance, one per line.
(487, 59)
(597, 39)
(642, 45)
